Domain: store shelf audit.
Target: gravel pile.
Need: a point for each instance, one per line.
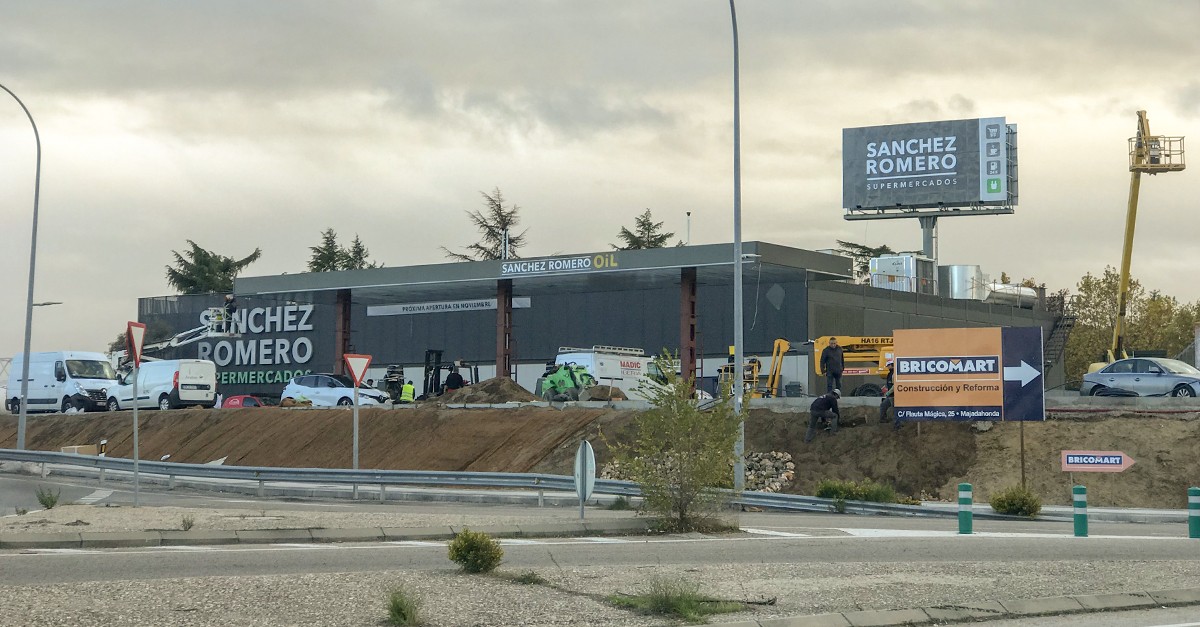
(765, 472)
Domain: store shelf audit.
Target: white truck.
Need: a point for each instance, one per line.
(61, 380)
(629, 369)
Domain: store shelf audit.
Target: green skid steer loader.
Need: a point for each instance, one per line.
(564, 382)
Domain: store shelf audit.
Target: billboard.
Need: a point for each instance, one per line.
(969, 374)
(952, 163)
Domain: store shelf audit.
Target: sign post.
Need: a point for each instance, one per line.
(585, 473)
(356, 365)
(135, 336)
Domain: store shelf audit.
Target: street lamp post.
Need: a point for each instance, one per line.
(37, 183)
(739, 463)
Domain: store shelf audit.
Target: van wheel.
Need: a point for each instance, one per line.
(344, 402)
(113, 405)
(66, 404)
(164, 402)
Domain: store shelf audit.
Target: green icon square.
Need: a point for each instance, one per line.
(993, 186)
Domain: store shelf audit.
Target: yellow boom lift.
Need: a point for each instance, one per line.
(1150, 154)
(862, 355)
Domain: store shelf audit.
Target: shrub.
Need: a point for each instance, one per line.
(404, 608)
(621, 503)
(678, 598)
(680, 455)
(865, 490)
(530, 577)
(187, 522)
(475, 551)
(1017, 501)
(48, 498)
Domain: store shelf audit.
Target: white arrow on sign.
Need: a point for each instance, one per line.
(1023, 373)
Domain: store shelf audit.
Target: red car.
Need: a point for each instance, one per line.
(244, 400)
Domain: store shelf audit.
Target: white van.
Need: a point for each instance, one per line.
(168, 384)
(60, 380)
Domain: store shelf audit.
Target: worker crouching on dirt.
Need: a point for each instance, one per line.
(825, 410)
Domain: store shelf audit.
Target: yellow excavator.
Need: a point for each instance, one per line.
(861, 355)
(1150, 154)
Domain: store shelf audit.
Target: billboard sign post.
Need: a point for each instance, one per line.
(969, 374)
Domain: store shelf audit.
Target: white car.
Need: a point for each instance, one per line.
(331, 390)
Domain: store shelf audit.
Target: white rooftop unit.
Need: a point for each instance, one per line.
(904, 273)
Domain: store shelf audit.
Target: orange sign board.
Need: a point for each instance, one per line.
(949, 374)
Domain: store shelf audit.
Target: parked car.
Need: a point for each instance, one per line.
(167, 384)
(329, 390)
(243, 400)
(1143, 376)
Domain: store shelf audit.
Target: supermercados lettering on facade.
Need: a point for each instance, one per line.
(602, 261)
(272, 351)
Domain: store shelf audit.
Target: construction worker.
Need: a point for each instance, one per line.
(454, 380)
(824, 409)
(832, 363)
(407, 392)
(230, 309)
(888, 400)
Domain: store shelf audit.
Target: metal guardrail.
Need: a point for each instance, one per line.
(529, 481)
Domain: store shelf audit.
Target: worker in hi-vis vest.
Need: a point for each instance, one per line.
(407, 392)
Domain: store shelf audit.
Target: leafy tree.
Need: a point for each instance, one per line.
(646, 233)
(680, 455)
(199, 271)
(1153, 322)
(862, 255)
(492, 223)
(329, 256)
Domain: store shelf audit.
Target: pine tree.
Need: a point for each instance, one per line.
(493, 223)
(646, 234)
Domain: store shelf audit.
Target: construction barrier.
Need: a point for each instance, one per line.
(1079, 496)
(965, 513)
(1194, 512)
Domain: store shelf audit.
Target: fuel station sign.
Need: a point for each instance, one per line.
(969, 374)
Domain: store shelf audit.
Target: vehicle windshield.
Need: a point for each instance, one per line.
(84, 369)
(1174, 366)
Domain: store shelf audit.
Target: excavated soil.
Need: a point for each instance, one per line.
(492, 391)
(925, 462)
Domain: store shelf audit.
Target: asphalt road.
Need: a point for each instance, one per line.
(18, 492)
(822, 546)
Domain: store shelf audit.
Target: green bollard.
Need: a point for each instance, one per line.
(1079, 495)
(1194, 512)
(965, 515)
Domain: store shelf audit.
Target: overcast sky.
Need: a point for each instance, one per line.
(259, 124)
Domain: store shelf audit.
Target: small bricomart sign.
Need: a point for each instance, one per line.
(1095, 461)
(969, 374)
(951, 163)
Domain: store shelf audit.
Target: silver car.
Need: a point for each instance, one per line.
(1143, 376)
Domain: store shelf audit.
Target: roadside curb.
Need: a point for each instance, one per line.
(986, 610)
(173, 537)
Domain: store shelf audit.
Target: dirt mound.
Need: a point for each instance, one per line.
(425, 438)
(929, 459)
(603, 393)
(495, 390)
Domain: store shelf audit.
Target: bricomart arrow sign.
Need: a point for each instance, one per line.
(969, 374)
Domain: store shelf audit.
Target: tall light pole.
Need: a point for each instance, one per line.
(739, 463)
(37, 183)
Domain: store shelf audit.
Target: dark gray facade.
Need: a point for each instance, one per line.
(288, 324)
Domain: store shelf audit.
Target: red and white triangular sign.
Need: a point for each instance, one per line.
(357, 365)
(135, 334)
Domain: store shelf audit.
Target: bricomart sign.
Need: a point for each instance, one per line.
(969, 374)
(952, 163)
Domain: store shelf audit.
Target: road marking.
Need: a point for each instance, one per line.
(95, 497)
(768, 532)
(416, 543)
(517, 541)
(608, 540)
